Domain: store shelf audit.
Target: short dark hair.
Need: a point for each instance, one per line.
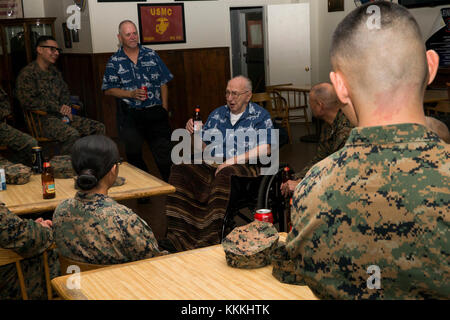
(350, 39)
(43, 39)
(92, 158)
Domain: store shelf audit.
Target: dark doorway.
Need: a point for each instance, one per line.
(247, 45)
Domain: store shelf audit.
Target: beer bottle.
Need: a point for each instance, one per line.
(286, 175)
(198, 124)
(48, 181)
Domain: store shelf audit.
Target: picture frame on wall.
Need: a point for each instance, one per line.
(67, 36)
(11, 9)
(161, 23)
(335, 5)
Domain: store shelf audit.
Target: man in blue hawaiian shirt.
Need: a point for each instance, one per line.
(142, 114)
(195, 212)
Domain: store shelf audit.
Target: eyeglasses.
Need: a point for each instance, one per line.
(234, 94)
(54, 49)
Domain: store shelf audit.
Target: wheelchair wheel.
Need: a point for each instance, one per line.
(270, 197)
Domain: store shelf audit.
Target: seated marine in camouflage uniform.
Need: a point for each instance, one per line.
(40, 86)
(16, 140)
(29, 239)
(92, 227)
(371, 220)
(334, 132)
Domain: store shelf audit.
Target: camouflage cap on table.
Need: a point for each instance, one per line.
(62, 167)
(17, 174)
(250, 246)
(283, 267)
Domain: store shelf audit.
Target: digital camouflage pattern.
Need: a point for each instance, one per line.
(62, 167)
(250, 246)
(94, 228)
(332, 138)
(15, 173)
(383, 200)
(37, 89)
(283, 267)
(29, 239)
(16, 140)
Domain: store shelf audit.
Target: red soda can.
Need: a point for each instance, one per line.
(264, 215)
(146, 92)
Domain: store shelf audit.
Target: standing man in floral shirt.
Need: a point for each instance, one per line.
(142, 114)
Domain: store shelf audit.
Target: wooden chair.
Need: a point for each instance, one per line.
(297, 100)
(33, 120)
(66, 262)
(8, 256)
(441, 107)
(277, 107)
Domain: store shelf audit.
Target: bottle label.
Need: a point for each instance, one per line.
(198, 125)
(48, 187)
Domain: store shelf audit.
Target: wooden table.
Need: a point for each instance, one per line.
(432, 96)
(200, 274)
(27, 198)
(297, 87)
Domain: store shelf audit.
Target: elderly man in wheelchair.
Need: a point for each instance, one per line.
(196, 211)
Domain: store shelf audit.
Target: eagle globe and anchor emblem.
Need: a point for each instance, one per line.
(163, 24)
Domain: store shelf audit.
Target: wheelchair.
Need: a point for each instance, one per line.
(253, 193)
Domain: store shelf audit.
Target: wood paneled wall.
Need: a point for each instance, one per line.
(200, 78)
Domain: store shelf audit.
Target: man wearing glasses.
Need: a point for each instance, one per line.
(196, 210)
(40, 86)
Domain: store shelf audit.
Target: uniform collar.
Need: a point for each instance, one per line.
(397, 133)
(89, 197)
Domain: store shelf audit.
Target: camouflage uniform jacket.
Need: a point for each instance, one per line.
(94, 228)
(332, 138)
(5, 108)
(382, 200)
(42, 90)
(29, 239)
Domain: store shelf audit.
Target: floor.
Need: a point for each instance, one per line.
(296, 155)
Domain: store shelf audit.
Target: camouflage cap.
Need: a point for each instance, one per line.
(17, 174)
(62, 167)
(120, 181)
(250, 246)
(283, 267)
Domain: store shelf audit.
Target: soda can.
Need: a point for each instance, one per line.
(146, 91)
(264, 215)
(37, 159)
(2, 179)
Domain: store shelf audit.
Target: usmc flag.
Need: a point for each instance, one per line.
(161, 23)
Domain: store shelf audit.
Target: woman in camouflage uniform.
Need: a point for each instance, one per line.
(92, 227)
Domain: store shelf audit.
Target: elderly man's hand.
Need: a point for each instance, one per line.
(288, 187)
(66, 110)
(190, 126)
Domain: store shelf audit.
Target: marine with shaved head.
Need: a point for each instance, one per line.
(371, 221)
(334, 132)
